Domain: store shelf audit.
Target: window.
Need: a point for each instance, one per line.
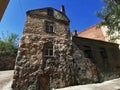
(49, 27)
(48, 50)
(103, 53)
(87, 52)
(50, 12)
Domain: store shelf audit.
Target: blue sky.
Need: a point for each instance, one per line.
(80, 12)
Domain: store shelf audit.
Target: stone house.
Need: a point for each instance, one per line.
(48, 57)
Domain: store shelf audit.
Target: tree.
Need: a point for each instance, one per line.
(111, 18)
(9, 45)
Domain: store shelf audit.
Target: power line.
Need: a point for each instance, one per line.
(21, 7)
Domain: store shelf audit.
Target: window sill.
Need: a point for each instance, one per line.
(48, 56)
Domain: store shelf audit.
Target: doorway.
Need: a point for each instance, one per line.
(44, 82)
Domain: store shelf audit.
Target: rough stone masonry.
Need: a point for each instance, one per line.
(47, 58)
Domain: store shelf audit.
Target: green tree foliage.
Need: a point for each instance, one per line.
(8, 45)
(111, 16)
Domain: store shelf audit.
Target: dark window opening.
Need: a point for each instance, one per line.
(50, 12)
(48, 50)
(87, 52)
(103, 53)
(49, 27)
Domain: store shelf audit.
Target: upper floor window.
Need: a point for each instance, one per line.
(50, 12)
(48, 50)
(87, 52)
(103, 53)
(49, 27)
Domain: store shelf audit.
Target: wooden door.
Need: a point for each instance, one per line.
(44, 83)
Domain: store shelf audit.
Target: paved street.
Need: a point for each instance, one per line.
(6, 80)
(107, 85)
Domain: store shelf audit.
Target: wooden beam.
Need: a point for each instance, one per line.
(3, 6)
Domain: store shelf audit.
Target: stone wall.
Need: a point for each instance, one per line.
(30, 64)
(110, 61)
(85, 71)
(34, 71)
(67, 67)
(107, 67)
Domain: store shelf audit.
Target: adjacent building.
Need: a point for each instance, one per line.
(99, 33)
(93, 32)
(104, 55)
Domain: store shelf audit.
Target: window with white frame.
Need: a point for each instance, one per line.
(49, 27)
(48, 50)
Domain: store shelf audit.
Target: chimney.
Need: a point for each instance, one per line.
(75, 33)
(62, 9)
